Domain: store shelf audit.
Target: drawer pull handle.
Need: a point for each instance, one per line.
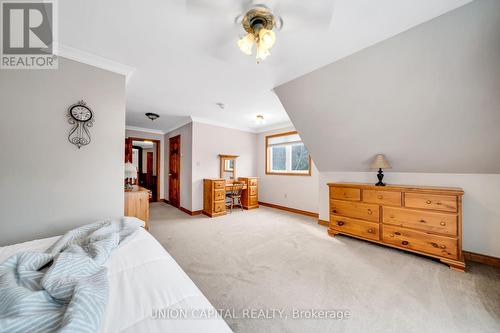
(422, 221)
(443, 223)
(380, 197)
(391, 235)
(442, 246)
(340, 223)
(398, 233)
(428, 202)
(334, 211)
(404, 242)
(371, 231)
(370, 212)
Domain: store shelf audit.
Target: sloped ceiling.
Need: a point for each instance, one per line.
(186, 59)
(428, 98)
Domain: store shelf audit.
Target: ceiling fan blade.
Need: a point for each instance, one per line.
(298, 14)
(213, 7)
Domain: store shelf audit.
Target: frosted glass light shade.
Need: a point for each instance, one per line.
(130, 170)
(267, 38)
(246, 43)
(380, 162)
(262, 52)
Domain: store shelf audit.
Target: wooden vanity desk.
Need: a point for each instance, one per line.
(214, 194)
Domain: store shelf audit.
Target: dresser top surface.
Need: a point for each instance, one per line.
(136, 188)
(402, 188)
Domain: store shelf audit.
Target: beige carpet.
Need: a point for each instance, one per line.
(269, 259)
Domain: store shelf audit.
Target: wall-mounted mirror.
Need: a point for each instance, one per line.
(228, 167)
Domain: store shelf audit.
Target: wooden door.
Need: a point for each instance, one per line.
(150, 179)
(174, 181)
(128, 150)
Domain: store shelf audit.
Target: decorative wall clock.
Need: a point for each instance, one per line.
(81, 116)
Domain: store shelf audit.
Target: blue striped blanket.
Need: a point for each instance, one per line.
(65, 288)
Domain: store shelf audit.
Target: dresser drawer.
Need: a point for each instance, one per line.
(420, 241)
(253, 201)
(355, 227)
(445, 203)
(252, 182)
(345, 193)
(252, 190)
(356, 210)
(382, 197)
(219, 195)
(220, 185)
(219, 207)
(427, 221)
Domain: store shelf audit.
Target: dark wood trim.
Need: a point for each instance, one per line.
(192, 213)
(288, 209)
(158, 158)
(268, 172)
(481, 258)
(323, 222)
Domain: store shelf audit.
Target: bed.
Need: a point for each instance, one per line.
(147, 289)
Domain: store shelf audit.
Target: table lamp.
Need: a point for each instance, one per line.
(130, 174)
(380, 162)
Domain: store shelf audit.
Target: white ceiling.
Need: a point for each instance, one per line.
(186, 60)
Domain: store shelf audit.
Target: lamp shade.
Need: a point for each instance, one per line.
(380, 162)
(130, 170)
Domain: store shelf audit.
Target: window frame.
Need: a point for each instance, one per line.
(268, 164)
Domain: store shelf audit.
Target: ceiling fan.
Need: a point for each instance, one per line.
(259, 20)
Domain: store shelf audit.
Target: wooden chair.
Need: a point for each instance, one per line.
(233, 197)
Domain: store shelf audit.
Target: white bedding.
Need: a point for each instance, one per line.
(143, 277)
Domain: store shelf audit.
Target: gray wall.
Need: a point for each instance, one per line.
(48, 185)
(428, 98)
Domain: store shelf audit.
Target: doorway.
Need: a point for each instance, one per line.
(174, 171)
(145, 155)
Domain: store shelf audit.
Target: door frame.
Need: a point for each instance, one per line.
(158, 158)
(179, 175)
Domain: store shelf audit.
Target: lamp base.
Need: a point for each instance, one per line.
(380, 176)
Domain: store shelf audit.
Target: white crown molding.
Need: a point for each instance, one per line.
(220, 124)
(93, 60)
(213, 123)
(147, 130)
(274, 127)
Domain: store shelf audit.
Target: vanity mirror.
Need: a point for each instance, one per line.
(228, 167)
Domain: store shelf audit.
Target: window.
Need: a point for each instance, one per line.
(287, 155)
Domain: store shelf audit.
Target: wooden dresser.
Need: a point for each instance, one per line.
(424, 220)
(214, 195)
(137, 204)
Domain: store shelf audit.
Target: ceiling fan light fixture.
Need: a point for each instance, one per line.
(259, 119)
(259, 23)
